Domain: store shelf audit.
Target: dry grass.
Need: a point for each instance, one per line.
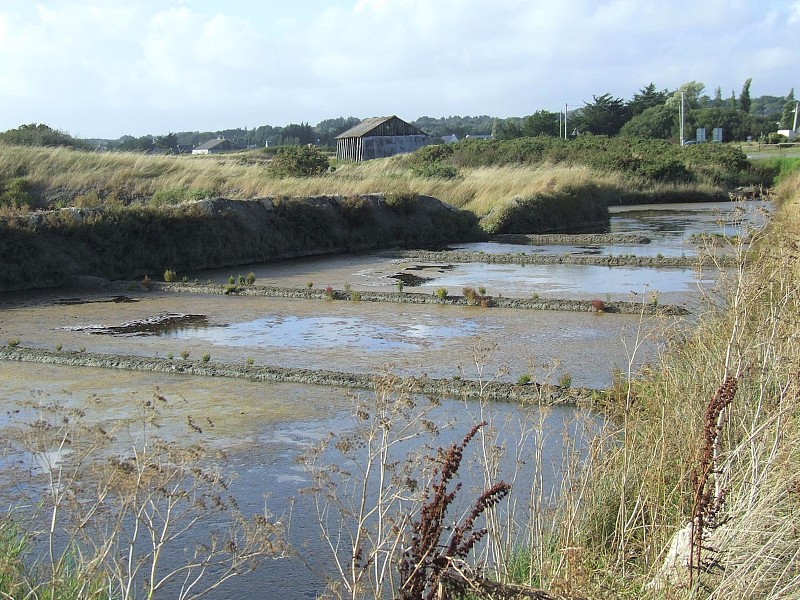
(639, 492)
(65, 174)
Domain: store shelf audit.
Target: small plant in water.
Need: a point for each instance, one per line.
(347, 286)
(355, 296)
(250, 361)
(400, 285)
(242, 279)
(170, 355)
(170, 275)
(58, 347)
(231, 280)
(330, 293)
(524, 379)
(482, 291)
(206, 357)
(13, 342)
(82, 349)
(565, 381)
(146, 282)
(309, 284)
(441, 293)
(185, 354)
(251, 278)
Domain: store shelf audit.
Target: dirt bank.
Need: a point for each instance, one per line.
(648, 308)
(575, 239)
(449, 388)
(629, 260)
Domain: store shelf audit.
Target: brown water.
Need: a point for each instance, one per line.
(264, 427)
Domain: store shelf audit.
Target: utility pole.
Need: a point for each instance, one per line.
(683, 97)
(565, 120)
(796, 110)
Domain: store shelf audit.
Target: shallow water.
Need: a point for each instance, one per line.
(265, 427)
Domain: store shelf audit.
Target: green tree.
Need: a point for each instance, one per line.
(647, 97)
(327, 130)
(691, 90)
(141, 144)
(605, 116)
(717, 102)
(507, 129)
(167, 142)
(298, 134)
(542, 122)
(787, 118)
(745, 102)
(39, 134)
(658, 122)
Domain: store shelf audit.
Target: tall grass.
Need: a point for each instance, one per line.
(62, 175)
(639, 493)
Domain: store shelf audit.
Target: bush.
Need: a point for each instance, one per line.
(402, 202)
(298, 161)
(177, 196)
(16, 193)
(170, 275)
(251, 278)
(441, 293)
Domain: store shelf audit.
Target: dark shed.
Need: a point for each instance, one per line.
(379, 137)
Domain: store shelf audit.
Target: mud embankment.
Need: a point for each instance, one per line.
(445, 388)
(625, 260)
(576, 239)
(647, 308)
(50, 248)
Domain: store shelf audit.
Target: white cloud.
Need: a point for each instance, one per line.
(151, 66)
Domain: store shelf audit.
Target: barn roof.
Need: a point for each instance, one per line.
(211, 144)
(392, 125)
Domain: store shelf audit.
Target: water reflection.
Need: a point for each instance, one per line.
(331, 332)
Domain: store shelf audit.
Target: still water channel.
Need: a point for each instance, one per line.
(265, 427)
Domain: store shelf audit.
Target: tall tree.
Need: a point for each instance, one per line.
(605, 116)
(717, 101)
(646, 98)
(542, 122)
(691, 90)
(744, 98)
(787, 118)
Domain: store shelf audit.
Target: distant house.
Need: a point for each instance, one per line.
(450, 139)
(379, 137)
(215, 146)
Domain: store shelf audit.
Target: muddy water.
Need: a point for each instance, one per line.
(264, 430)
(264, 427)
(361, 337)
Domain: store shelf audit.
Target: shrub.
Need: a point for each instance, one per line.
(174, 196)
(147, 283)
(13, 342)
(400, 285)
(206, 357)
(185, 354)
(309, 284)
(355, 296)
(441, 293)
(402, 202)
(330, 293)
(242, 279)
(251, 278)
(524, 379)
(250, 361)
(58, 347)
(298, 161)
(170, 275)
(16, 193)
(565, 381)
(231, 280)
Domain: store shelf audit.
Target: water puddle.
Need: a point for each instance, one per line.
(313, 332)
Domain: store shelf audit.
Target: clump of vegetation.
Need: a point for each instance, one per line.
(476, 297)
(58, 347)
(147, 283)
(309, 284)
(170, 276)
(251, 278)
(185, 354)
(330, 293)
(402, 202)
(441, 293)
(524, 379)
(399, 285)
(565, 381)
(298, 161)
(13, 342)
(174, 196)
(355, 296)
(206, 357)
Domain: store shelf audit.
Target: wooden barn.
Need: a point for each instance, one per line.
(379, 137)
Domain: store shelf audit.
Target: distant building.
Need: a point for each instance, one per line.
(379, 137)
(450, 139)
(478, 137)
(215, 146)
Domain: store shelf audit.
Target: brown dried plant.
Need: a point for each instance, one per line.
(709, 495)
(426, 562)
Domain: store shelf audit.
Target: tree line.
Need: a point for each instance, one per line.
(650, 113)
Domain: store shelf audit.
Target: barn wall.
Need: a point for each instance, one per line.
(384, 146)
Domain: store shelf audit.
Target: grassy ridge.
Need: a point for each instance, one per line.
(667, 472)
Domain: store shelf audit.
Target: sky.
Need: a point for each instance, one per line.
(107, 68)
